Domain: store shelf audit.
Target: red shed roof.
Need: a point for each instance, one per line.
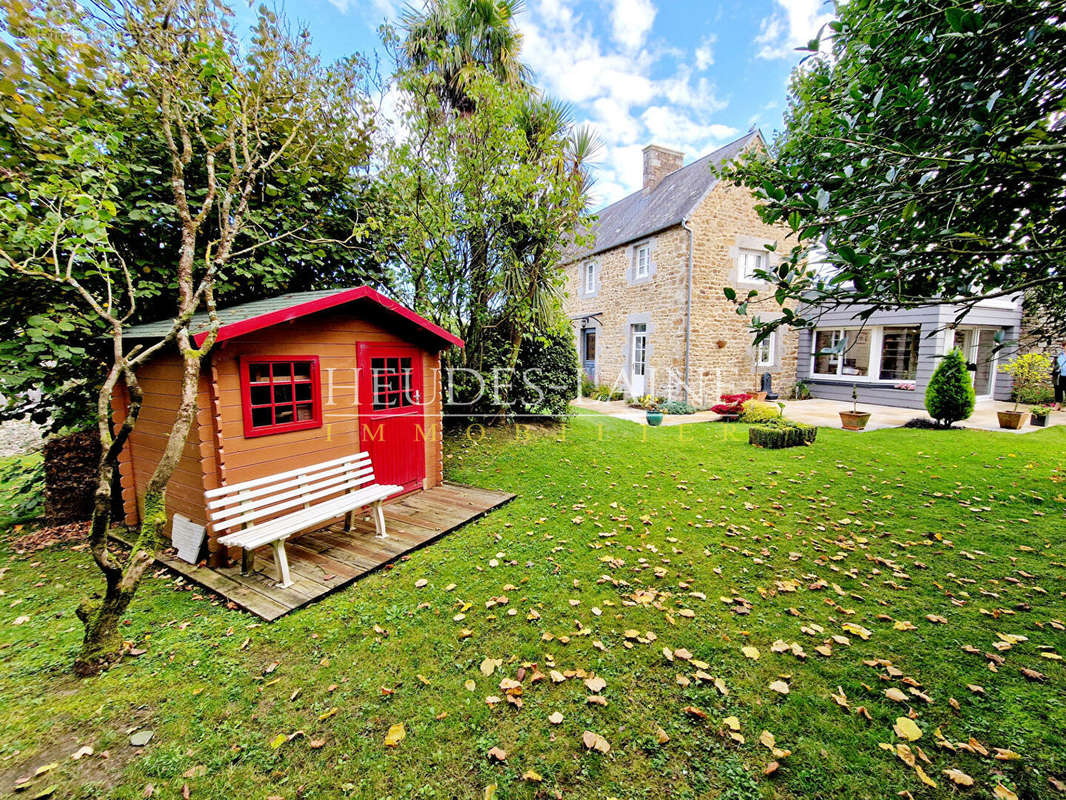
(249, 317)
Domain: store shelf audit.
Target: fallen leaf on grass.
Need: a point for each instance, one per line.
(750, 652)
(957, 776)
(906, 728)
(497, 754)
(779, 686)
(896, 694)
(1001, 792)
(532, 776)
(396, 734)
(595, 683)
(593, 741)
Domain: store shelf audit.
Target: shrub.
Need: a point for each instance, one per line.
(784, 433)
(677, 407)
(588, 388)
(732, 405)
(949, 397)
(1031, 373)
(544, 381)
(756, 411)
(801, 391)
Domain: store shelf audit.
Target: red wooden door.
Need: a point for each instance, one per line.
(391, 419)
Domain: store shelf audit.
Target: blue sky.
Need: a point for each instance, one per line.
(687, 74)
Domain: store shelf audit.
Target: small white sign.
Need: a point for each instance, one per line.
(186, 536)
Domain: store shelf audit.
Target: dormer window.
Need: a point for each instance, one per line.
(643, 262)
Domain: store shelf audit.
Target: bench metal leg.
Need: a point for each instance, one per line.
(379, 520)
(282, 561)
(247, 561)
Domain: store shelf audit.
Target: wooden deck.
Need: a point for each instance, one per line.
(329, 559)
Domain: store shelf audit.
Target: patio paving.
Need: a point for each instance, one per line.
(825, 414)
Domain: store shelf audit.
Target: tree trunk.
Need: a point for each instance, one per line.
(103, 642)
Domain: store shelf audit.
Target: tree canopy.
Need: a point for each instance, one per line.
(923, 160)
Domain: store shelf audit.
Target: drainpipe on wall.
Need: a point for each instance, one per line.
(688, 304)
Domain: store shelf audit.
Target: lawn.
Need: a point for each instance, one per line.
(897, 574)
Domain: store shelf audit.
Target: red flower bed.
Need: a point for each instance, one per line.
(732, 405)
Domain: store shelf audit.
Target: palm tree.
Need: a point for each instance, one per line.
(453, 39)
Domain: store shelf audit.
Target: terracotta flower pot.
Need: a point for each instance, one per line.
(654, 418)
(854, 420)
(1011, 420)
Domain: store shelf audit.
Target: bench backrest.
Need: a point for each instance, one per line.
(252, 501)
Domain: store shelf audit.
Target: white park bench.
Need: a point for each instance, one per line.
(269, 510)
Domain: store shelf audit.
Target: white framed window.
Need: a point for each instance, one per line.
(642, 257)
(850, 360)
(868, 354)
(748, 261)
(764, 352)
(590, 277)
(899, 353)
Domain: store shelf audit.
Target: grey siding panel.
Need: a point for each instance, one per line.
(871, 395)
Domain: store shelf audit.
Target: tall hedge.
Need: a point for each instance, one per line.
(949, 397)
(544, 382)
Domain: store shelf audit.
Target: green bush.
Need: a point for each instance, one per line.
(588, 388)
(782, 433)
(756, 411)
(1031, 376)
(544, 381)
(949, 397)
(676, 407)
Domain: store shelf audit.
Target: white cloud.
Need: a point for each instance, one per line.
(704, 54)
(631, 22)
(629, 92)
(791, 25)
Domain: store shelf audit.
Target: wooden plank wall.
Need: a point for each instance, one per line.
(160, 381)
(217, 450)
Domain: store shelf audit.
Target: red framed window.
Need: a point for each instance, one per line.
(280, 394)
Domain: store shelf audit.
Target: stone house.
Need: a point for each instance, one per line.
(646, 296)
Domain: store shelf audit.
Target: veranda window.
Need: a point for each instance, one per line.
(280, 394)
(899, 353)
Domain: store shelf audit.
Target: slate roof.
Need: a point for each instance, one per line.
(640, 214)
(248, 317)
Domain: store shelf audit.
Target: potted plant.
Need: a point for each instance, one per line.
(854, 420)
(1028, 372)
(1039, 416)
(654, 415)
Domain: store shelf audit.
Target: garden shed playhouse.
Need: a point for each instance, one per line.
(293, 381)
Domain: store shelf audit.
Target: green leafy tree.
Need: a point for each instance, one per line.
(299, 231)
(485, 188)
(924, 158)
(949, 396)
(103, 78)
(1030, 373)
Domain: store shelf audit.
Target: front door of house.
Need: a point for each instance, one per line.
(638, 359)
(588, 352)
(391, 419)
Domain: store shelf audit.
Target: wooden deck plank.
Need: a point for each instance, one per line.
(324, 561)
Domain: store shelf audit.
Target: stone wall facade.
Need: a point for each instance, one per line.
(722, 358)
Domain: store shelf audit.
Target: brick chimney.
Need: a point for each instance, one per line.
(658, 163)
